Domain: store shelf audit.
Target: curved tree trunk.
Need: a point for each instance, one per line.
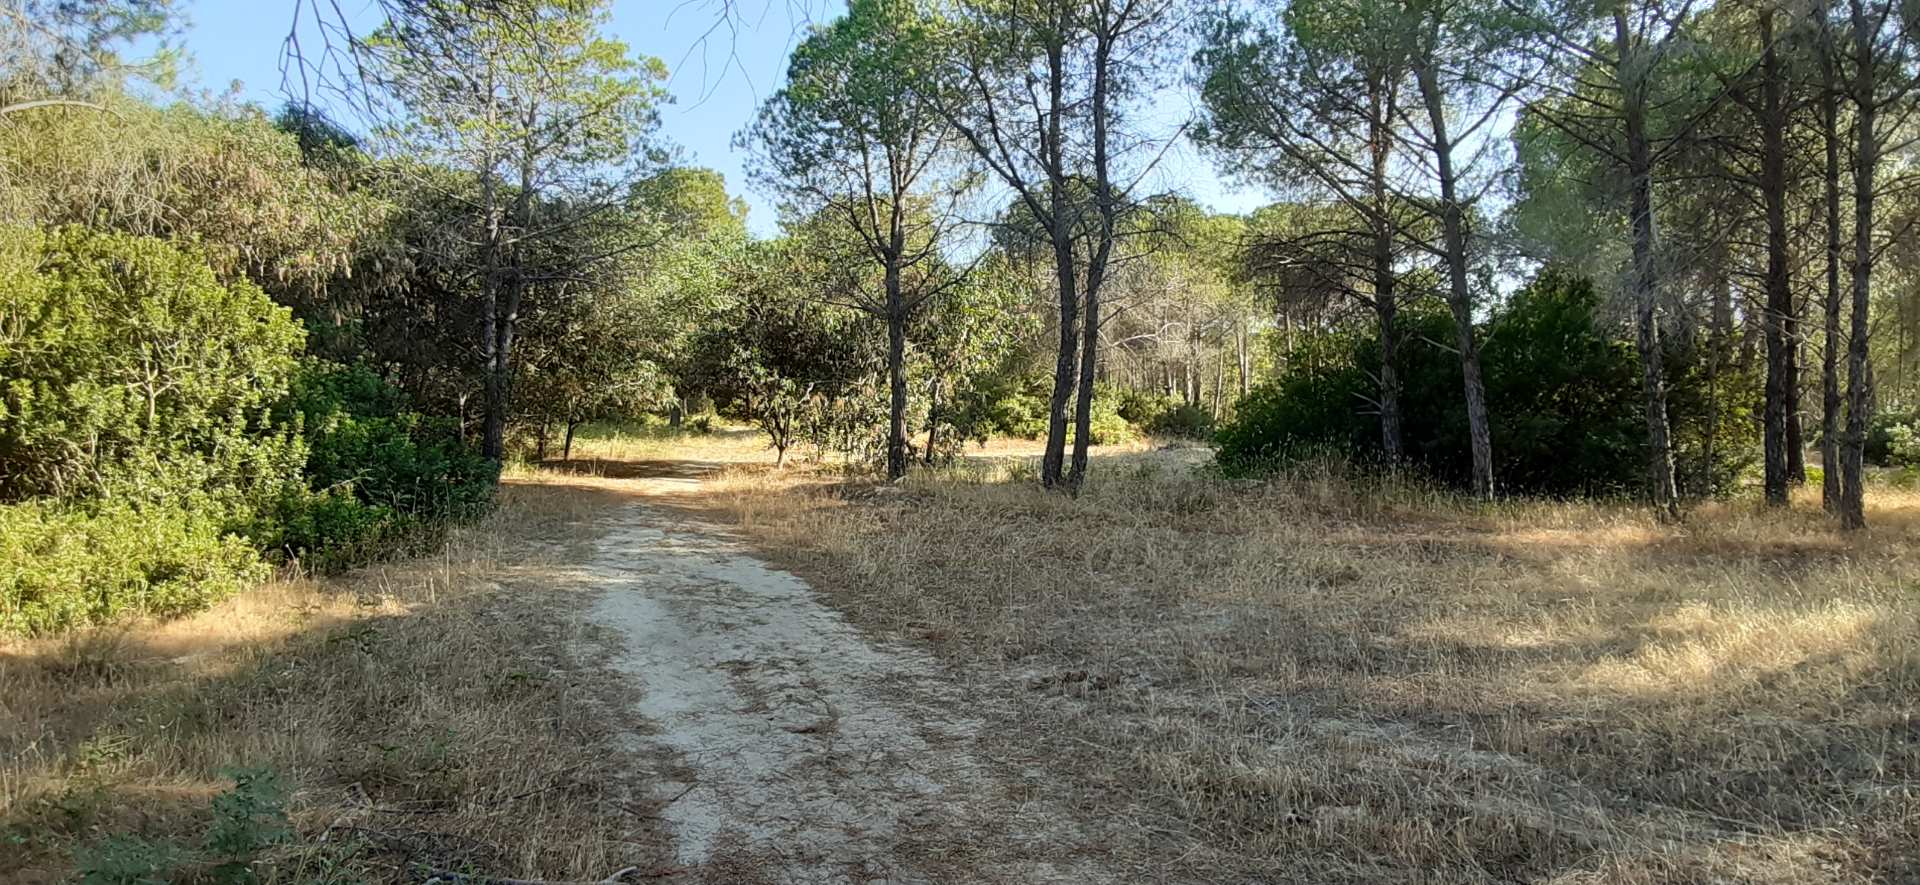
(1459, 289)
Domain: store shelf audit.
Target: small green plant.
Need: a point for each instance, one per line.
(247, 820)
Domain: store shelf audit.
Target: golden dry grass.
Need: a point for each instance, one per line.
(614, 445)
(1309, 680)
(443, 711)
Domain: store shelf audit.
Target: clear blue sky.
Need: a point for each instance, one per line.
(719, 76)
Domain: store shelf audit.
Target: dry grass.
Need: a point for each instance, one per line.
(1311, 681)
(598, 447)
(439, 711)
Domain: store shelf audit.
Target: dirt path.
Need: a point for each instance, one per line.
(801, 749)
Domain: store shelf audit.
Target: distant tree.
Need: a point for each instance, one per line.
(1606, 76)
(550, 120)
(780, 355)
(1039, 90)
(852, 141)
(1314, 97)
(1455, 52)
(1876, 77)
(63, 53)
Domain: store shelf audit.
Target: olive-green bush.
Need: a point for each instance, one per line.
(379, 475)
(130, 372)
(159, 433)
(64, 565)
(1563, 396)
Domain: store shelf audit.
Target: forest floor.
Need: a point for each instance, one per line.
(667, 660)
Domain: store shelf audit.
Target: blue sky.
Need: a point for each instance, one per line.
(719, 77)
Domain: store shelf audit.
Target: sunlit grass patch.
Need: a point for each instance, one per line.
(1320, 678)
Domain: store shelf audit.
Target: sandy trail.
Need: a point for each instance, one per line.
(803, 751)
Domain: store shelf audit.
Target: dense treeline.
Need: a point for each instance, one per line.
(1633, 249)
(233, 342)
(1708, 200)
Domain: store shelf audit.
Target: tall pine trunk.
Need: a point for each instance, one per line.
(1830, 404)
(1061, 227)
(1777, 408)
(1459, 291)
(896, 371)
(1066, 360)
(1661, 486)
(1097, 257)
(1385, 298)
(1853, 514)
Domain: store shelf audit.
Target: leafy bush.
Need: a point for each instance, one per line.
(1105, 427)
(157, 432)
(1564, 396)
(64, 566)
(1886, 435)
(130, 370)
(1186, 421)
(1903, 446)
(1141, 407)
(1019, 409)
(377, 473)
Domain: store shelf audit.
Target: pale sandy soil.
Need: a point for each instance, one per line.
(792, 747)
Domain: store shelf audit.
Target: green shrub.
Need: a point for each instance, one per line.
(130, 370)
(1186, 421)
(1015, 407)
(378, 475)
(65, 566)
(1104, 425)
(1563, 395)
(1886, 434)
(1141, 407)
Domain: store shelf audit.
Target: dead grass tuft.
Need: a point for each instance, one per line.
(433, 711)
(1310, 680)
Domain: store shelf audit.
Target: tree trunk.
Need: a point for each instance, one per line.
(1053, 461)
(1060, 228)
(933, 421)
(1661, 486)
(896, 371)
(1778, 282)
(1830, 406)
(566, 448)
(493, 413)
(1796, 429)
(1853, 514)
(1246, 366)
(1103, 198)
(1386, 304)
(540, 445)
(1460, 292)
(1720, 352)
